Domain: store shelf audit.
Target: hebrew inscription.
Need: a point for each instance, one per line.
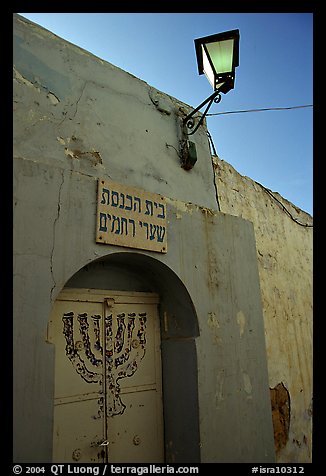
(130, 217)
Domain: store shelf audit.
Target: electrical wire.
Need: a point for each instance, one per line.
(283, 207)
(170, 145)
(214, 181)
(264, 188)
(260, 110)
(212, 143)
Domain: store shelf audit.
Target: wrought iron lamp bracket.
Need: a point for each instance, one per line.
(189, 121)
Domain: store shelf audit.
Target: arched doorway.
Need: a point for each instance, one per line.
(136, 274)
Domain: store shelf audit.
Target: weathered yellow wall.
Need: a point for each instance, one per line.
(284, 251)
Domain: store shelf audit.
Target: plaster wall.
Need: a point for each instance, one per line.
(78, 118)
(285, 263)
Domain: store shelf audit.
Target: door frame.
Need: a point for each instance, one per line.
(127, 270)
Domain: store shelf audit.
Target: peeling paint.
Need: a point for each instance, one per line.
(213, 269)
(20, 78)
(219, 385)
(161, 102)
(182, 207)
(213, 321)
(188, 207)
(69, 153)
(207, 211)
(241, 320)
(281, 414)
(78, 154)
(53, 98)
(214, 324)
(61, 140)
(247, 383)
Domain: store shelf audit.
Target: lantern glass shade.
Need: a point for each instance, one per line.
(221, 54)
(208, 70)
(217, 57)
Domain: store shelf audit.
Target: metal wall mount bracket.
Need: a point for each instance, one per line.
(189, 120)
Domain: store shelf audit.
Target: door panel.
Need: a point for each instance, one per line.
(139, 369)
(107, 377)
(136, 435)
(78, 432)
(137, 439)
(79, 373)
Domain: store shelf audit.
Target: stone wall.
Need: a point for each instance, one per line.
(284, 241)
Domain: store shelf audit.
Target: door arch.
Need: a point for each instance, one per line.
(137, 272)
(108, 385)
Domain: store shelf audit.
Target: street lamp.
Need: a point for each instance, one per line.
(217, 58)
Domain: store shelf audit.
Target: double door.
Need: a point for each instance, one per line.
(108, 390)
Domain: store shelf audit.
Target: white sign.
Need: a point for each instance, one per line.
(127, 216)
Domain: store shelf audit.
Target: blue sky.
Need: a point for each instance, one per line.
(275, 148)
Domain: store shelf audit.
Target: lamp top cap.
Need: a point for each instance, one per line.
(225, 35)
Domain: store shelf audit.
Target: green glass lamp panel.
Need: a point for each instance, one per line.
(221, 54)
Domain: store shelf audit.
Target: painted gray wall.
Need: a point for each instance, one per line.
(78, 118)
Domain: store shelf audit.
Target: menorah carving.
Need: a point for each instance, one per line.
(109, 357)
